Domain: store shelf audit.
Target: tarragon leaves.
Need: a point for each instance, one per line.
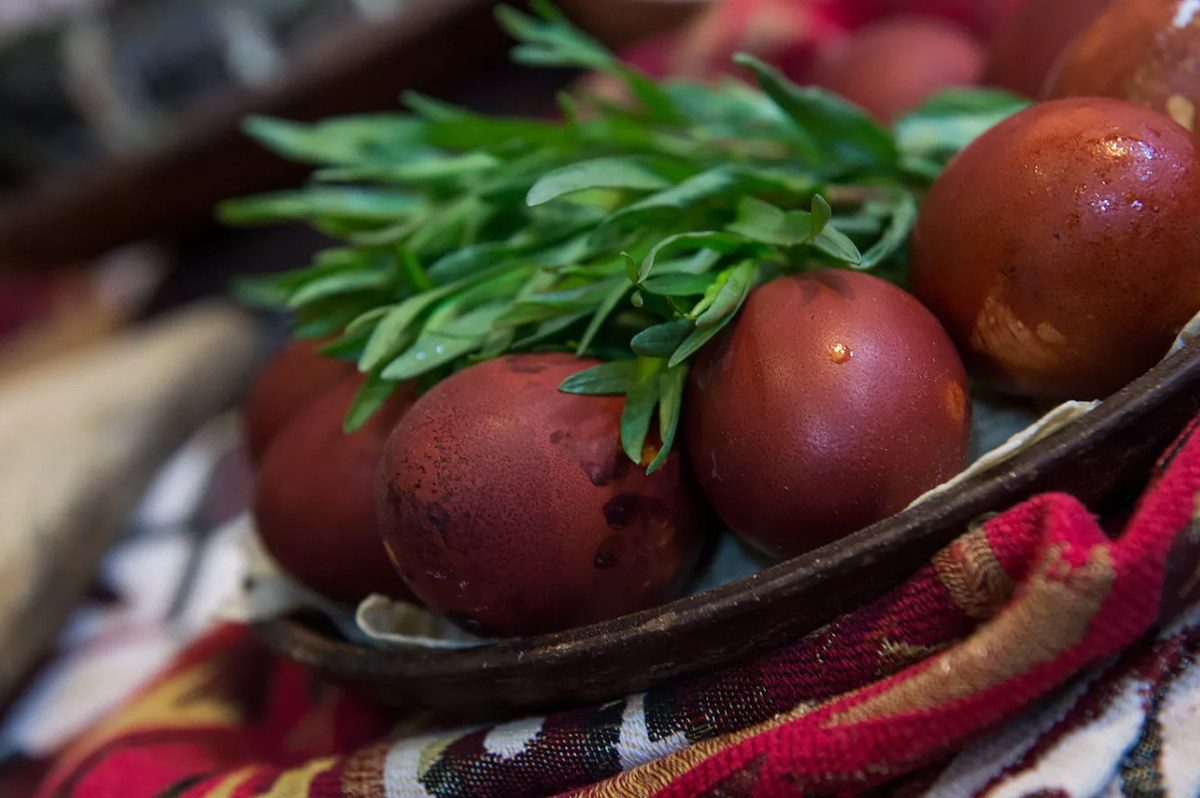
(621, 173)
(607, 379)
(552, 41)
(630, 234)
(762, 221)
(370, 206)
(952, 119)
(827, 123)
(370, 138)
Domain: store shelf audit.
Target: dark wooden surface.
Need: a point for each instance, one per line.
(1106, 454)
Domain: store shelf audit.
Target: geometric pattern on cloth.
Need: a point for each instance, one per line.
(999, 626)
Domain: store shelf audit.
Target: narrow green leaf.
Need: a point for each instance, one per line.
(729, 109)
(696, 340)
(467, 261)
(429, 170)
(458, 129)
(589, 295)
(703, 335)
(551, 41)
(904, 216)
(554, 42)
(344, 140)
(662, 340)
(631, 268)
(452, 227)
(316, 328)
(436, 348)
(684, 195)
(392, 327)
(347, 348)
(357, 204)
(836, 245)
(649, 93)
(640, 403)
(821, 214)
(836, 125)
(413, 271)
(569, 107)
(762, 221)
(496, 344)
(261, 292)
(370, 397)
(859, 224)
(607, 379)
(570, 252)
(670, 405)
(433, 109)
(614, 297)
(710, 293)
(499, 287)
(346, 282)
(367, 320)
(622, 173)
(679, 284)
(548, 11)
(552, 327)
(708, 239)
(952, 119)
(731, 295)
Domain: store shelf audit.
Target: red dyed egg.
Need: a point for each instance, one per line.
(1059, 249)
(314, 506)
(1144, 51)
(894, 65)
(511, 507)
(296, 376)
(1031, 41)
(833, 401)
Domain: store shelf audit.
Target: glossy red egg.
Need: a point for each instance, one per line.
(1144, 51)
(832, 401)
(511, 507)
(1059, 249)
(1032, 39)
(894, 65)
(296, 376)
(314, 506)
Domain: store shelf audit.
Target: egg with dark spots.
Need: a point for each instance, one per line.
(1032, 40)
(290, 381)
(1143, 51)
(511, 508)
(831, 402)
(314, 504)
(894, 65)
(1060, 248)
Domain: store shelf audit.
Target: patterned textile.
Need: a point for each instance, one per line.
(998, 626)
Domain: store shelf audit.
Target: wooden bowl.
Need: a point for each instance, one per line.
(1106, 454)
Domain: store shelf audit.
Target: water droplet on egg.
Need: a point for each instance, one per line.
(840, 353)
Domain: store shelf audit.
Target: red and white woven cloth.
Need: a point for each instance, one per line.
(1036, 655)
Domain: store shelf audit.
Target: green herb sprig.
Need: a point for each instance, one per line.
(633, 235)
